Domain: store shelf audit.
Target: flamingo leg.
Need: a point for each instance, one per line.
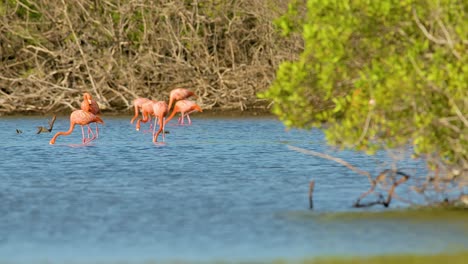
(188, 118)
(145, 119)
(154, 127)
(182, 116)
(136, 114)
(83, 140)
(97, 131)
(163, 128)
(154, 130)
(93, 137)
(151, 124)
(89, 130)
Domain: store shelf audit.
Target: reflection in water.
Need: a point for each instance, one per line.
(218, 189)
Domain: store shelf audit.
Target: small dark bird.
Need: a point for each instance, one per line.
(41, 129)
(18, 131)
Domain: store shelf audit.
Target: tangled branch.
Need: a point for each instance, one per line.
(225, 51)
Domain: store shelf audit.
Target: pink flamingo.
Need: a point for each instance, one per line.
(185, 107)
(137, 104)
(146, 112)
(91, 106)
(78, 117)
(179, 94)
(159, 111)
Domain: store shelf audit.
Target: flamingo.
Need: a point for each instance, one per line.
(91, 106)
(146, 112)
(185, 107)
(137, 103)
(159, 111)
(78, 117)
(179, 94)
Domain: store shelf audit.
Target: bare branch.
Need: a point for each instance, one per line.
(425, 31)
(335, 159)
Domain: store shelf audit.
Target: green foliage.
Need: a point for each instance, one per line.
(291, 20)
(378, 74)
(2, 9)
(25, 9)
(136, 33)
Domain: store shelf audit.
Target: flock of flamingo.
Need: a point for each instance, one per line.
(90, 113)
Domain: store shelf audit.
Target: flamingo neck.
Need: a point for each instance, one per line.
(176, 109)
(63, 133)
(171, 100)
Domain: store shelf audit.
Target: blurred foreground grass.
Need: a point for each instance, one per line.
(411, 213)
(435, 215)
(447, 215)
(449, 258)
(442, 215)
(452, 258)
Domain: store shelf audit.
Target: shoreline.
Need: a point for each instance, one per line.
(205, 114)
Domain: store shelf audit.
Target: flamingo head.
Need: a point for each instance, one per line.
(192, 94)
(87, 97)
(99, 120)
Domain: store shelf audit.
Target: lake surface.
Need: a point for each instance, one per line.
(220, 189)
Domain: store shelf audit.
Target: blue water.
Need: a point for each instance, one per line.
(220, 189)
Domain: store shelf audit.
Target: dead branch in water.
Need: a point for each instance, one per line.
(380, 179)
(311, 191)
(41, 129)
(335, 159)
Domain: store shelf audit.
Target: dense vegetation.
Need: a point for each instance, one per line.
(381, 75)
(51, 51)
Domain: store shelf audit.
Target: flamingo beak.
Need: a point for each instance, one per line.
(89, 101)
